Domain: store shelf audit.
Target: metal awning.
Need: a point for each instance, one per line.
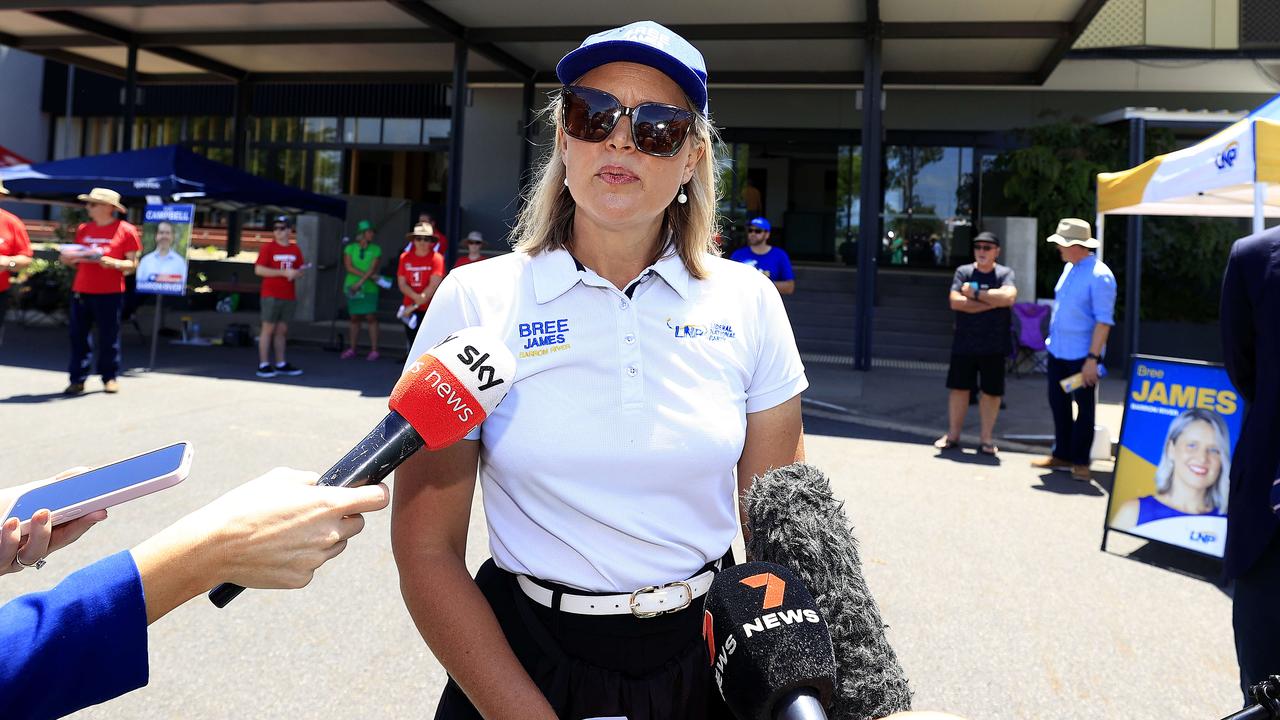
(816, 42)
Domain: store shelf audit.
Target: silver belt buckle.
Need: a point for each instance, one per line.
(688, 599)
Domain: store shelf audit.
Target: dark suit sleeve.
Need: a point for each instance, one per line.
(79, 644)
(1236, 321)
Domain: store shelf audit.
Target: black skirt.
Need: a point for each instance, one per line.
(600, 666)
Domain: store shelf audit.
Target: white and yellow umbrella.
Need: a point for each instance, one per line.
(1235, 173)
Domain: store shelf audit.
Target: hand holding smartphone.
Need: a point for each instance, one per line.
(85, 492)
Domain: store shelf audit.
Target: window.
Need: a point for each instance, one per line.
(401, 131)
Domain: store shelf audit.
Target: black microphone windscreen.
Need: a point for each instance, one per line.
(766, 639)
(793, 519)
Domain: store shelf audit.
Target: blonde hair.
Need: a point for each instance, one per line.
(546, 220)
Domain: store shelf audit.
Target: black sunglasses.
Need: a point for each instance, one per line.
(280, 227)
(657, 129)
(756, 231)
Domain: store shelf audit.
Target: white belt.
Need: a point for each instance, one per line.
(643, 603)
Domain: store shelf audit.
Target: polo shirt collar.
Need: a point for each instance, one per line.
(671, 268)
(556, 271)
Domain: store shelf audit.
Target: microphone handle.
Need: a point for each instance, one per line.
(370, 461)
(1253, 712)
(800, 704)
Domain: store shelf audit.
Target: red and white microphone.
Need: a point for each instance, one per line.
(442, 396)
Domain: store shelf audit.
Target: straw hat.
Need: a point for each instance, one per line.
(421, 230)
(3, 189)
(104, 196)
(1074, 231)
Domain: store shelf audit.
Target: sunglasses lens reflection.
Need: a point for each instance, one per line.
(591, 115)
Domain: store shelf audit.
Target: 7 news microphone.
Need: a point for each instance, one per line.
(794, 520)
(441, 397)
(770, 649)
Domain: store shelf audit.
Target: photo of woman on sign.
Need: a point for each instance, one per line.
(1192, 477)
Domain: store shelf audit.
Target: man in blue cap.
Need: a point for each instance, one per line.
(772, 261)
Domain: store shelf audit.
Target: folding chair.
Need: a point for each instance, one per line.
(1030, 327)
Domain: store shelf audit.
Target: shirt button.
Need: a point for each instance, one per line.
(624, 305)
(631, 371)
(629, 338)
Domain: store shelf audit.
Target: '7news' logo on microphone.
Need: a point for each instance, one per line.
(774, 596)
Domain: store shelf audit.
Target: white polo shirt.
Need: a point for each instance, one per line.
(611, 463)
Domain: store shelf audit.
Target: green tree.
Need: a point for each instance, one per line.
(1055, 176)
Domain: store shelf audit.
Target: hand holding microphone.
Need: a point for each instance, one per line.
(441, 397)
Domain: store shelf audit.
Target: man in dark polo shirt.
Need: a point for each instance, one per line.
(981, 294)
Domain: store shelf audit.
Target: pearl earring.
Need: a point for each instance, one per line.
(682, 198)
(566, 181)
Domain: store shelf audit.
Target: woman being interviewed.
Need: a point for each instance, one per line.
(654, 380)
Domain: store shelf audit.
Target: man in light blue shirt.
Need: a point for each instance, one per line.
(1083, 312)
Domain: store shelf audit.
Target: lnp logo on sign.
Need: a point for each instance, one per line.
(715, 333)
(1227, 158)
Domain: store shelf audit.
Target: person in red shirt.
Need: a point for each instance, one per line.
(279, 264)
(15, 251)
(424, 218)
(475, 243)
(106, 249)
(419, 274)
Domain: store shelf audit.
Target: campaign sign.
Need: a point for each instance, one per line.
(1181, 420)
(166, 235)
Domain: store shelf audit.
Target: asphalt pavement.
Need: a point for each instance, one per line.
(989, 574)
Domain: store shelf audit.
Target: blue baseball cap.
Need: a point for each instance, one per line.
(647, 43)
(760, 223)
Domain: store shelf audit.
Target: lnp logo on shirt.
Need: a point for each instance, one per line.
(543, 337)
(714, 333)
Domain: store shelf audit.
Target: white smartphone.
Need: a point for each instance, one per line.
(101, 487)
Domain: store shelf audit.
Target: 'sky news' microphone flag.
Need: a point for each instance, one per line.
(794, 520)
(767, 642)
(441, 397)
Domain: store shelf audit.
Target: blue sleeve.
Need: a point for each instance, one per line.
(1103, 295)
(784, 271)
(79, 644)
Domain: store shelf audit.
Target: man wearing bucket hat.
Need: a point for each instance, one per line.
(418, 275)
(15, 250)
(1083, 312)
(106, 249)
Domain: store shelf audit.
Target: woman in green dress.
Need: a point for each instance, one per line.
(362, 260)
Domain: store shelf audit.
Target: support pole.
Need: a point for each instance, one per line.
(239, 156)
(155, 333)
(872, 197)
(1133, 249)
(130, 97)
(453, 215)
(1259, 203)
(71, 94)
(526, 137)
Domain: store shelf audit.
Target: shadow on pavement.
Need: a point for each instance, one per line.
(46, 349)
(1061, 483)
(1180, 561)
(967, 457)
